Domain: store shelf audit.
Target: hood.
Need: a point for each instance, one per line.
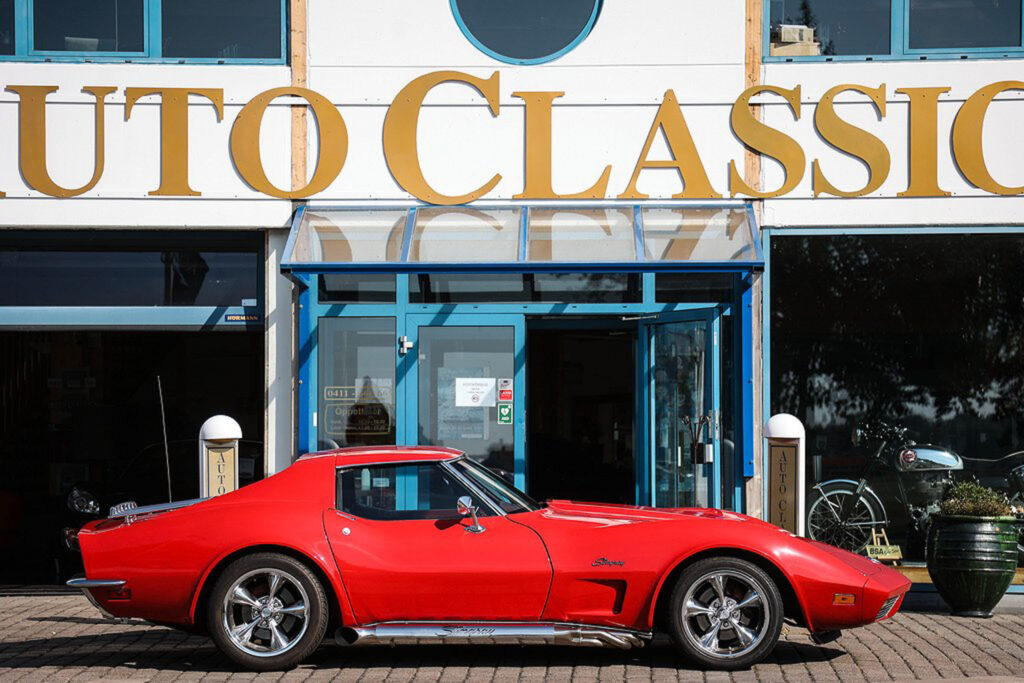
(613, 513)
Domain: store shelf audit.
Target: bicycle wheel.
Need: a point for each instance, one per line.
(852, 531)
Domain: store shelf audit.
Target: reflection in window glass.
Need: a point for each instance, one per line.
(350, 237)
(443, 288)
(6, 27)
(221, 29)
(455, 235)
(390, 493)
(693, 288)
(921, 331)
(965, 23)
(362, 288)
(450, 359)
(697, 235)
(89, 25)
(526, 29)
(581, 235)
(829, 27)
(356, 393)
(101, 269)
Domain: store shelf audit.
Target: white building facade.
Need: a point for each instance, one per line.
(594, 245)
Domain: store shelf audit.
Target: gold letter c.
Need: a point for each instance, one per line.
(400, 134)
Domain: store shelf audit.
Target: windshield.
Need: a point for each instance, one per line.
(509, 498)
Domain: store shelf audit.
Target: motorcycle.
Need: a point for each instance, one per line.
(844, 512)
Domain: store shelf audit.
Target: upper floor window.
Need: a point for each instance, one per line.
(892, 29)
(215, 31)
(526, 31)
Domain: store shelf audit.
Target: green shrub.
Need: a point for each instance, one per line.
(971, 499)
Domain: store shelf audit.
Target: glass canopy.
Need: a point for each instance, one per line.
(523, 238)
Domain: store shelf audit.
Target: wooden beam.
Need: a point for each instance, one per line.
(297, 60)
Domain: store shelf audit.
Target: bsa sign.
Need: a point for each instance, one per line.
(400, 136)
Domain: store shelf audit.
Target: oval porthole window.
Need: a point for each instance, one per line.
(526, 31)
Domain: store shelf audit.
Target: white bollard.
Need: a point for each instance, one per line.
(786, 473)
(218, 456)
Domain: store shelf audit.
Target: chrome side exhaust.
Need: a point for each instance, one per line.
(490, 633)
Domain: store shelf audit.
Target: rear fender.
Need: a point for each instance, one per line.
(324, 566)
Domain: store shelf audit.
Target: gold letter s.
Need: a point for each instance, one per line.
(852, 140)
(766, 140)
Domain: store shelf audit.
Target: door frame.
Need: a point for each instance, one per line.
(712, 317)
(408, 371)
(736, 314)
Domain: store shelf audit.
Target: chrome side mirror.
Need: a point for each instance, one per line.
(464, 506)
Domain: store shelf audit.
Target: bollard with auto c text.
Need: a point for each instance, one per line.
(218, 456)
(786, 473)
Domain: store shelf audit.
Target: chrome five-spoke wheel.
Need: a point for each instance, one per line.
(727, 613)
(267, 611)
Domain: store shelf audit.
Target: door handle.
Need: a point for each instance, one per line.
(404, 345)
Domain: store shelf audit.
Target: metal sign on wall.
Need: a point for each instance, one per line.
(221, 470)
(399, 137)
(782, 486)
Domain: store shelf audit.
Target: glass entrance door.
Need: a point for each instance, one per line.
(464, 387)
(680, 366)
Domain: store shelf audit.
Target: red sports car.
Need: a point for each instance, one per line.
(414, 545)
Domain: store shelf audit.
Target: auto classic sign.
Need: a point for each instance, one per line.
(400, 137)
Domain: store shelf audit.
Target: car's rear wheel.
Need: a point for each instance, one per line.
(267, 612)
(726, 613)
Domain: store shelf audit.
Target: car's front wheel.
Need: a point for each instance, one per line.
(267, 612)
(726, 613)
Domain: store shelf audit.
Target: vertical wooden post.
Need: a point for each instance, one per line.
(752, 175)
(299, 79)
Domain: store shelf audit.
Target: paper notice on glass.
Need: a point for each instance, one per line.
(475, 392)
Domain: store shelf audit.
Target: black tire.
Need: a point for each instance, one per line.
(761, 616)
(276, 640)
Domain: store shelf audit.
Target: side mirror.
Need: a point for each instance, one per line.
(464, 506)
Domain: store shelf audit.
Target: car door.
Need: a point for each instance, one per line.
(405, 553)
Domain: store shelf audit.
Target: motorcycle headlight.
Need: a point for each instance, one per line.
(80, 500)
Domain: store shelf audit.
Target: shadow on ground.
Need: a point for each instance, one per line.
(169, 650)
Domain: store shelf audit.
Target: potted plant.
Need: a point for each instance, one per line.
(972, 548)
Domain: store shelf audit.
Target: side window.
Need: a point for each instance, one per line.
(400, 492)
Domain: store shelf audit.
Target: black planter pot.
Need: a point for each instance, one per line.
(972, 561)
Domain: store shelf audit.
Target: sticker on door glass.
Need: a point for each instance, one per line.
(505, 389)
(474, 392)
(504, 413)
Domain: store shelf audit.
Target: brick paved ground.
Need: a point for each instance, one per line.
(63, 638)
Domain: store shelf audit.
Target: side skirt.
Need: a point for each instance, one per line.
(489, 633)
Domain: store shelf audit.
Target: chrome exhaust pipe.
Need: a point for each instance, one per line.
(490, 633)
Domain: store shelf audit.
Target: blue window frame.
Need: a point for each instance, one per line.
(379, 242)
(526, 31)
(117, 279)
(155, 31)
(769, 233)
(901, 39)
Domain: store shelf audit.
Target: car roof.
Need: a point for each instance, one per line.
(363, 455)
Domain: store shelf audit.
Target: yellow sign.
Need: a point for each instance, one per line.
(782, 487)
(221, 464)
(401, 146)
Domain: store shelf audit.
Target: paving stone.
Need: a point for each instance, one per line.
(62, 638)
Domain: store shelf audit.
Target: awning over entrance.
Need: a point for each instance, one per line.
(524, 239)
